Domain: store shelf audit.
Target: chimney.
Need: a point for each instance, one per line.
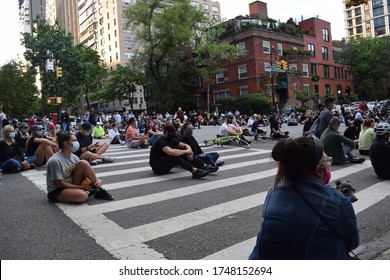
(258, 9)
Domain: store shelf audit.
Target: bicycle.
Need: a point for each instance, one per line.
(225, 140)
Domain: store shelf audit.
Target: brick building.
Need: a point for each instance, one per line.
(307, 47)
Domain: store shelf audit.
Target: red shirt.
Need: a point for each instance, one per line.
(131, 134)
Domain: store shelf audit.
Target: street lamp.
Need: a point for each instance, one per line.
(272, 51)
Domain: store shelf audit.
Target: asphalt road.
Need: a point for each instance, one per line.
(171, 216)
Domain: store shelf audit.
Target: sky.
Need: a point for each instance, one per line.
(277, 9)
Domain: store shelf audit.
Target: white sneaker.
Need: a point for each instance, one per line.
(93, 162)
(108, 159)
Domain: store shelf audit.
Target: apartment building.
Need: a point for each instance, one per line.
(30, 10)
(307, 48)
(212, 8)
(367, 18)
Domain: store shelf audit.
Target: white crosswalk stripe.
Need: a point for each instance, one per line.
(156, 198)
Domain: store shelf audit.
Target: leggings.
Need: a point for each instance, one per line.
(164, 164)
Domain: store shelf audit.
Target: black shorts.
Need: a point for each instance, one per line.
(52, 196)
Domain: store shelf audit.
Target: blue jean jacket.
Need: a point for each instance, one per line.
(291, 230)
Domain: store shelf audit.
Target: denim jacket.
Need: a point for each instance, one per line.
(291, 230)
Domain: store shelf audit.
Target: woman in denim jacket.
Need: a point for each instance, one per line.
(291, 229)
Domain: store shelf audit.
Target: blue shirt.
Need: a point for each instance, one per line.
(291, 230)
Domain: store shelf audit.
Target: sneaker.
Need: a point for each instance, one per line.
(220, 163)
(108, 159)
(199, 173)
(211, 168)
(103, 194)
(144, 146)
(32, 165)
(93, 162)
(357, 160)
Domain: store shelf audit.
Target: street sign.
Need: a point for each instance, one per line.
(274, 68)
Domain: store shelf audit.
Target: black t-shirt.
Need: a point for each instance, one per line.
(351, 132)
(255, 125)
(84, 140)
(156, 152)
(380, 158)
(191, 141)
(31, 147)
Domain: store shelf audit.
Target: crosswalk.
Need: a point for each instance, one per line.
(176, 217)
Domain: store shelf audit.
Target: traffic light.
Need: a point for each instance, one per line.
(52, 100)
(58, 72)
(282, 65)
(279, 65)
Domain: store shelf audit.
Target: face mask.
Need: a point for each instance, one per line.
(75, 146)
(12, 135)
(327, 175)
(87, 132)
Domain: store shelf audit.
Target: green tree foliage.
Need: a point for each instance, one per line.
(17, 89)
(369, 63)
(210, 52)
(82, 68)
(304, 96)
(122, 85)
(167, 31)
(253, 103)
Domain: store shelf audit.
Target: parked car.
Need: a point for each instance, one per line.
(371, 105)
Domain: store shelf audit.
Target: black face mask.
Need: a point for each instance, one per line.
(189, 132)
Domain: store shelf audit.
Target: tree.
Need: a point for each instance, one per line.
(17, 89)
(167, 31)
(369, 63)
(210, 52)
(121, 85)
(304, 96)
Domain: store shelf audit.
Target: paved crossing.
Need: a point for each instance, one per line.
(176, 217)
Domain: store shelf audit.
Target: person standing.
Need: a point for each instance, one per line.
(325, 116)
(303, 217)
(64, 119)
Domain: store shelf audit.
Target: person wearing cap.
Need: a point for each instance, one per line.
(21, 136)
(380, 151)
(39, 146)
(88, 150)
(12, 160)
(98, 131)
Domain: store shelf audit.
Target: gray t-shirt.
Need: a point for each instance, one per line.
(60, 167)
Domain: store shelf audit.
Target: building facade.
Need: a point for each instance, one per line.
(307, 48)
(212, 8)
(367, 18)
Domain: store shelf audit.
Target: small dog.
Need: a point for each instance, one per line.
(346, 188)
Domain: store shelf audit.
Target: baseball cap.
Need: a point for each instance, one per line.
(86, 126)
(36, 127)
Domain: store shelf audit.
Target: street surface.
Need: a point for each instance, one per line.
(172, 216)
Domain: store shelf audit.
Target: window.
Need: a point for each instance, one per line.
(215, 9)
(293, 67)
(379, 26)
(267, 68)
(349, 14)
(358, 12)
(101, 20)
(325, 34)
(101, 31)
(350, 32)
(377, 3)
(325, 53)
(116, 44)
(326, 72)
(129, 54)
(241, 48)
(327, 88)
(109, 37)
(242, 72)
(108, 15)
(141, 100)
(312, 49)
(359, 29)
(116, 56)
(350, 22)
(378, 11)
(108, 26)
(219, 78)
(205, 6)
(110, 58)
(305, 70)
(221, 95)
(135, 100)
(313, 69)
(114, 21)
(244, 91)
(358, 20)
(280, 49)
(266, 47)
(115, 34)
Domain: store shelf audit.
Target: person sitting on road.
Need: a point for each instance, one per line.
(153, 131)
(229, 129)
(133, 139)
(303, 217)
(255, 128)
(338, 146)
(98, 131)
(275, 127)
(65, 173)
(168, 152)
(187, 137)
(40, 147)
(12, 159)
(353, 130)
(380, 151)
(88, 150)
(21, 136)
(114, 134)
(291, 120)
(366, 136)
